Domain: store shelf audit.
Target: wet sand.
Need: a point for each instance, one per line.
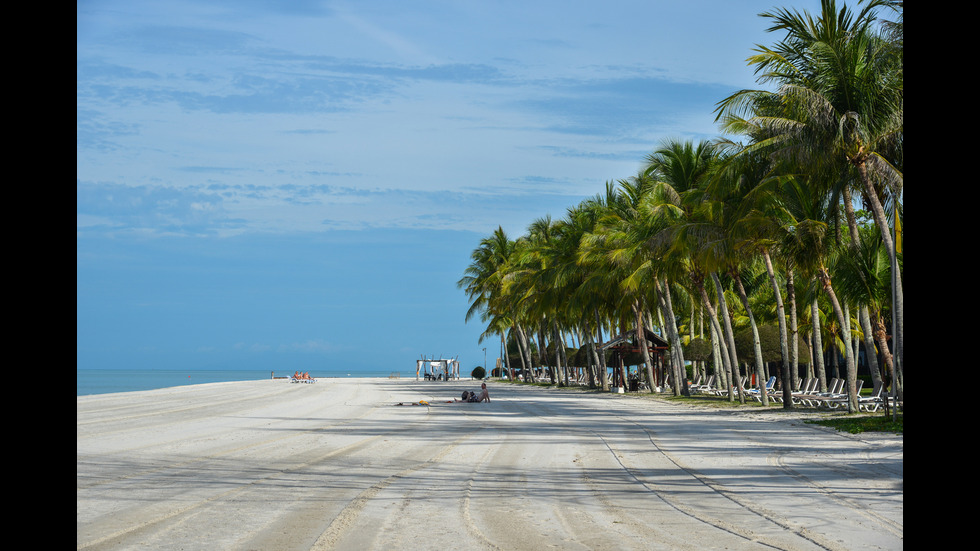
(274, 465)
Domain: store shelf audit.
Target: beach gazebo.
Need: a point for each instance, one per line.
(431, 369)
(625, 350)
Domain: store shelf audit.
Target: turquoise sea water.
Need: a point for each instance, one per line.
(106, 381)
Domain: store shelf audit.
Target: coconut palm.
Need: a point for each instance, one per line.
(806, 239)
(839, 104)
(483, 282)
(863, 279)
(616, 247)
(695, 236)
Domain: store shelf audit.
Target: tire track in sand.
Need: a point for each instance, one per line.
(341, 526)
(138, 525)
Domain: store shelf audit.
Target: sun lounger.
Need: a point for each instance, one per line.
(875, 401)
(757, 394)
(812, 396)
(836, 399)
(808, 388)
(708, 385)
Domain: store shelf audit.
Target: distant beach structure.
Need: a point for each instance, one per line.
(432, 369)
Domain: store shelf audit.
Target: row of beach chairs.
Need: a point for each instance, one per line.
(808, 395)
(708, 387)
(835, 396)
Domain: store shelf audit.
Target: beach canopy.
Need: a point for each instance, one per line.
(444, 369)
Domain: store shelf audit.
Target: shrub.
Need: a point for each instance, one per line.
(478, 372)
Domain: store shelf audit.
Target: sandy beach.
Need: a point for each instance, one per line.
(274, 465)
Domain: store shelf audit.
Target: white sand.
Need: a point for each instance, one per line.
(274, 465)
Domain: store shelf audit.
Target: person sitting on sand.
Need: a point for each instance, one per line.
(484, 394)
(467, 397)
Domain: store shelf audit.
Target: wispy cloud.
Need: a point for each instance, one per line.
(282, 105)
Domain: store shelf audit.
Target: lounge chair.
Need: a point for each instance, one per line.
(708, 385)
(836, 399)
(834, 390)
(757, 393)
(875, 401)
(713, 390)
(808, 388)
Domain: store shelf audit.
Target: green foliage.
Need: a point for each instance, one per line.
(769, 340)
(704, 213)
(698, 350)
(478, 372)
(856, 424)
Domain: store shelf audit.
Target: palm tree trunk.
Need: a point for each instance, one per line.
(641, 339)
(520, 350)
(852, 401)
(810, 373)
(722, 346)
(717, 357)
(864, 315)
(723, 305)
(525, 350)
(679, 382)
(794, 344)
(700, 325)
(659, 370)
(543, 353)
(603, 370)
(881, 335)
(818, 367)
(756, 343)
(559, 356)
(503, 346)
(675, 339)
(878, 211)
(869, 345)
(589, 341)
(785, 375)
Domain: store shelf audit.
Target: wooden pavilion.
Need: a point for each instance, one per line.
(626, 351)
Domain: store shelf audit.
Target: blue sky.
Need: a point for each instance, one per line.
(298, 184)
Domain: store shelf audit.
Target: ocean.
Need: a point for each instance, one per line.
(107, 381)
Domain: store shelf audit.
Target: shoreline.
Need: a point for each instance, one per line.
(90, 382)
(270, 464)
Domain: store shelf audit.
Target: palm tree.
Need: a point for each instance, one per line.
(697, 218)
(696, 236)
(863, 279)
(483, 283)
(808, 243)
(716, 227)
(839, 104)
(616, 248)
(598, 294)
(584, 297)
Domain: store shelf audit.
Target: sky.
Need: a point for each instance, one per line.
(298, 185)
